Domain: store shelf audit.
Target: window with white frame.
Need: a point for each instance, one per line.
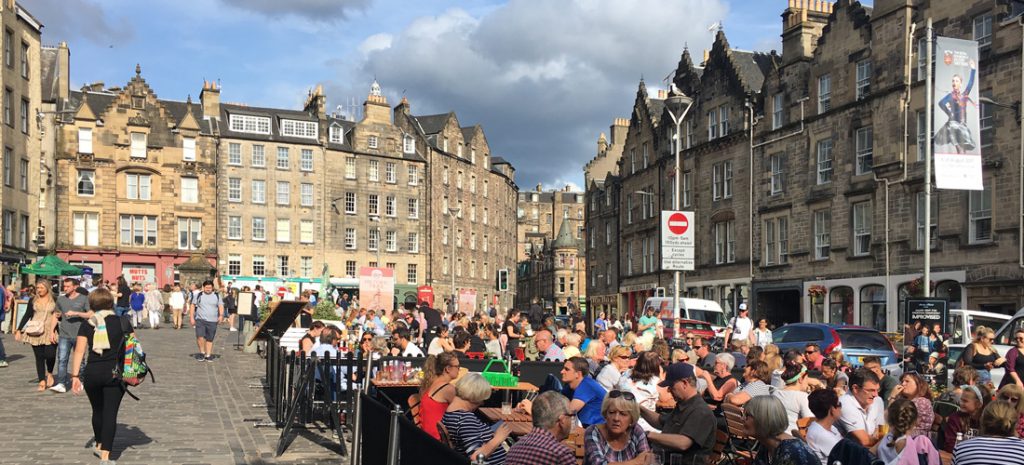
(408, 144)
(86, 228)
(284, 193)
(778, 173)
(777, 111)
(444, 235)
(472, 241)
(983, 30)
(725, 242)
(410, 274)
(283, 270)
(259, 191)
(303, 129)
(258, 156)
(865, 148)
(485, 215)
(987, 119)
(8, 107)
(485, 188)
(350, 268)
(485, 241)
(413, 242)
(138, 145)
(824, 93)
(824, 165)
(458, 180)
(235, 228)
(414, 175)
(350, 168)
(372, 142)
(283, 232)
(259, 265)
(472, 184)
(712, 124)
(250, 124)
(306, 160)
(350, 203)
(86, 180)
(189, 233)
(373, 171)
(629, 258)
(283, 161)
(391, 240)
(138, 186)
(234, 264)
(863, 78)
(188, 148)
(687, 184)
(234, 153)
(373, 204)
(723, 121)
(861, 228)
(189, 190)
(138, 230)
(259, 228)
(414, 208)
(689, 126)
(24, 116)
(374, 241)
(980, 215)
(822, 234)
(390, 206)
(776, 233)
(919, 213)
(306, 231)
(646, 155)
(305, 266)
(722, 180)
(390, 172)
(85, 140)
(336, 134)
(444, 176)
(306, 194)
(350, 238)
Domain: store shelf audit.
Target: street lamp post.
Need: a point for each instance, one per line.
(451, 260)
(677, 104)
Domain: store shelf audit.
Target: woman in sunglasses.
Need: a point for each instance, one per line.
(1014, 394)
(981, 355)
(1014, 364)
(619, 439)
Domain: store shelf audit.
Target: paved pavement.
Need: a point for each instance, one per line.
(195, 413)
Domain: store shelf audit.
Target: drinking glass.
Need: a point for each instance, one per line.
(506, 408)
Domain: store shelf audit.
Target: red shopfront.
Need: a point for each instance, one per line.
(142, 268)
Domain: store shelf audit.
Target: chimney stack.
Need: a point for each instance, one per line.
(539, 187)
(618, 130)
(802, 23)
(316, 102)
(63, 69)
(375, 108)
(210, 99)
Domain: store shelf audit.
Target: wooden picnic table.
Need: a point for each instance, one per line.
(494, 414)
(394, 384)
(522, 386)
(945, 457)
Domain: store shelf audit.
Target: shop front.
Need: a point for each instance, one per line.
(142, 268)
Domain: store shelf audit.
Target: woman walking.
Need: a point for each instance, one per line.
(154, 304)
(124, 292)
(104, 334)
(177, 302)
(38, 328)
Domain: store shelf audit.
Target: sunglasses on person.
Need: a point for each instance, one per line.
(623, 394)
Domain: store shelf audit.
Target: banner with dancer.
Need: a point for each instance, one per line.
(376, 288)
(956, 115)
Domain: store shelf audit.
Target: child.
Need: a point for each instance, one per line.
(137, 302)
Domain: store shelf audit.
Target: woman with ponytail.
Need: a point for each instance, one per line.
(436, 390)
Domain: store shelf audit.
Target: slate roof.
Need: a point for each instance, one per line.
(99, 102)
(566, 236)
(752, 68)
(346, 140)
(48, 71)
(467, 132)
(432, 124)
(275, 115)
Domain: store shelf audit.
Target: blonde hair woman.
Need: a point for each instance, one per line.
(981, 355)
(38, 328)
(154, 304)
(177, 303)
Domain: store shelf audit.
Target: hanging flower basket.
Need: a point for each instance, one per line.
(816, 291)
(916, 287)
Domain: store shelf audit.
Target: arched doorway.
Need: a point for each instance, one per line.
(872, 307)
(951, 291)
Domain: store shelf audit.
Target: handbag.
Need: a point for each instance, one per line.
(34, 328)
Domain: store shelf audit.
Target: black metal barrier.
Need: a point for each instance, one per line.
(415, 447)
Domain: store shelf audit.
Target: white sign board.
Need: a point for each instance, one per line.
(677, 240)
(139, 273)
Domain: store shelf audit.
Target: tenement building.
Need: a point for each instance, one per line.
(602, 221)
(536, 217)
(19, 137)
(806, 170)
(136, 182)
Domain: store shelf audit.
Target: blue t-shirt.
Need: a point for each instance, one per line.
(137, 299)
(591, 394)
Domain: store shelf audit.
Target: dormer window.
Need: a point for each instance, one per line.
(408, 144)
(337, 134)
(303, 129)
(250, 124)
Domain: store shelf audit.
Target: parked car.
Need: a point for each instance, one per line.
(856, 342)
(698, 328)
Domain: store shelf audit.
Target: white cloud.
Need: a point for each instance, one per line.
(80, 19)
(543, 78)
(375, 43)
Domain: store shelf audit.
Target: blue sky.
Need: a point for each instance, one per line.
(543, 77)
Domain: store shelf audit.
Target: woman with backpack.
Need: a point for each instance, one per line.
(38, 328)
(104, 334)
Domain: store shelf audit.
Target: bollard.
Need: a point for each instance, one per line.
(393, 441)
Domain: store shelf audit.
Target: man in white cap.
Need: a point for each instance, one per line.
(741, 327)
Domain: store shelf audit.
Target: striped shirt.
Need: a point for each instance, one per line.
(989, 450)
(468, 434)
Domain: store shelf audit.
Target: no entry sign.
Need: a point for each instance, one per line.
(677, 240)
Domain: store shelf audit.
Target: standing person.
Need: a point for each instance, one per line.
(981, 355)
(997, 444)
(206, 312)
(5, 303)
(822, 434)
(74, 309)
(688, 430)
(648, 327)
(511, 330)
(762, 335)
(1014, 362)
(231, 306)
(177, 303)
(552, 422)
(138, 302)
(740, 326)
(154, 305)
(124, 292)
(600, 324)
(104, 334)
(42, 333)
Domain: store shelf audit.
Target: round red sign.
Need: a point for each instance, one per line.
(678, 223)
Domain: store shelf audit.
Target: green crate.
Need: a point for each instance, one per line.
(499, 378)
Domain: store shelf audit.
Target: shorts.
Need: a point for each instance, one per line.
(206, 329)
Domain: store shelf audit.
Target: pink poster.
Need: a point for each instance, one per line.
(467, 301)
(376, 288)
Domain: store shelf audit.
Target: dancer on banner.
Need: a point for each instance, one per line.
(956, 132)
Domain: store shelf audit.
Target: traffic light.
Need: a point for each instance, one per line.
(503, 279)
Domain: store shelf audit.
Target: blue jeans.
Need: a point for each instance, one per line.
(65, 346)
(121, 311)
(3, 353)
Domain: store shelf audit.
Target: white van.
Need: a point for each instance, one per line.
(963, 323)
(692, 309)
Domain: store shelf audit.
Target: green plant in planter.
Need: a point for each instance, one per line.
(324, 310)
(264, 311)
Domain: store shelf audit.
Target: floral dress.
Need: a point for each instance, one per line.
(789, 452)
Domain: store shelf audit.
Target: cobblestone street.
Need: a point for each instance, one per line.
(195, 412)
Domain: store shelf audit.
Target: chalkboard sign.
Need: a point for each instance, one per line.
(281, 318)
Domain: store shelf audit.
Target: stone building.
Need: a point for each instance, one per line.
(20, 137)
(806, 169)
(537, 212)
(601, 222)
(136, 182)
(55, 90)
(555, 272)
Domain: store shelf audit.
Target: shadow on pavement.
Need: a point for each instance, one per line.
(128, 437)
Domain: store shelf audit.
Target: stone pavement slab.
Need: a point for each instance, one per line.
(195, 413)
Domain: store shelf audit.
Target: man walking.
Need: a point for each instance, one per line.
(741, 327)
(205, 313)
(74, 309)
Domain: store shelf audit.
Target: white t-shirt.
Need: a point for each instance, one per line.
(822, 441)
(856, 418)
(609, 377)
(412, 351)
(742, 328)
(646, 393)
(796, 406)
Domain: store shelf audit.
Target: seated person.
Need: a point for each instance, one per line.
(467, 433)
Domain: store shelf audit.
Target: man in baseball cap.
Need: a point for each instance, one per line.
(688, 430)
(741, 327)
